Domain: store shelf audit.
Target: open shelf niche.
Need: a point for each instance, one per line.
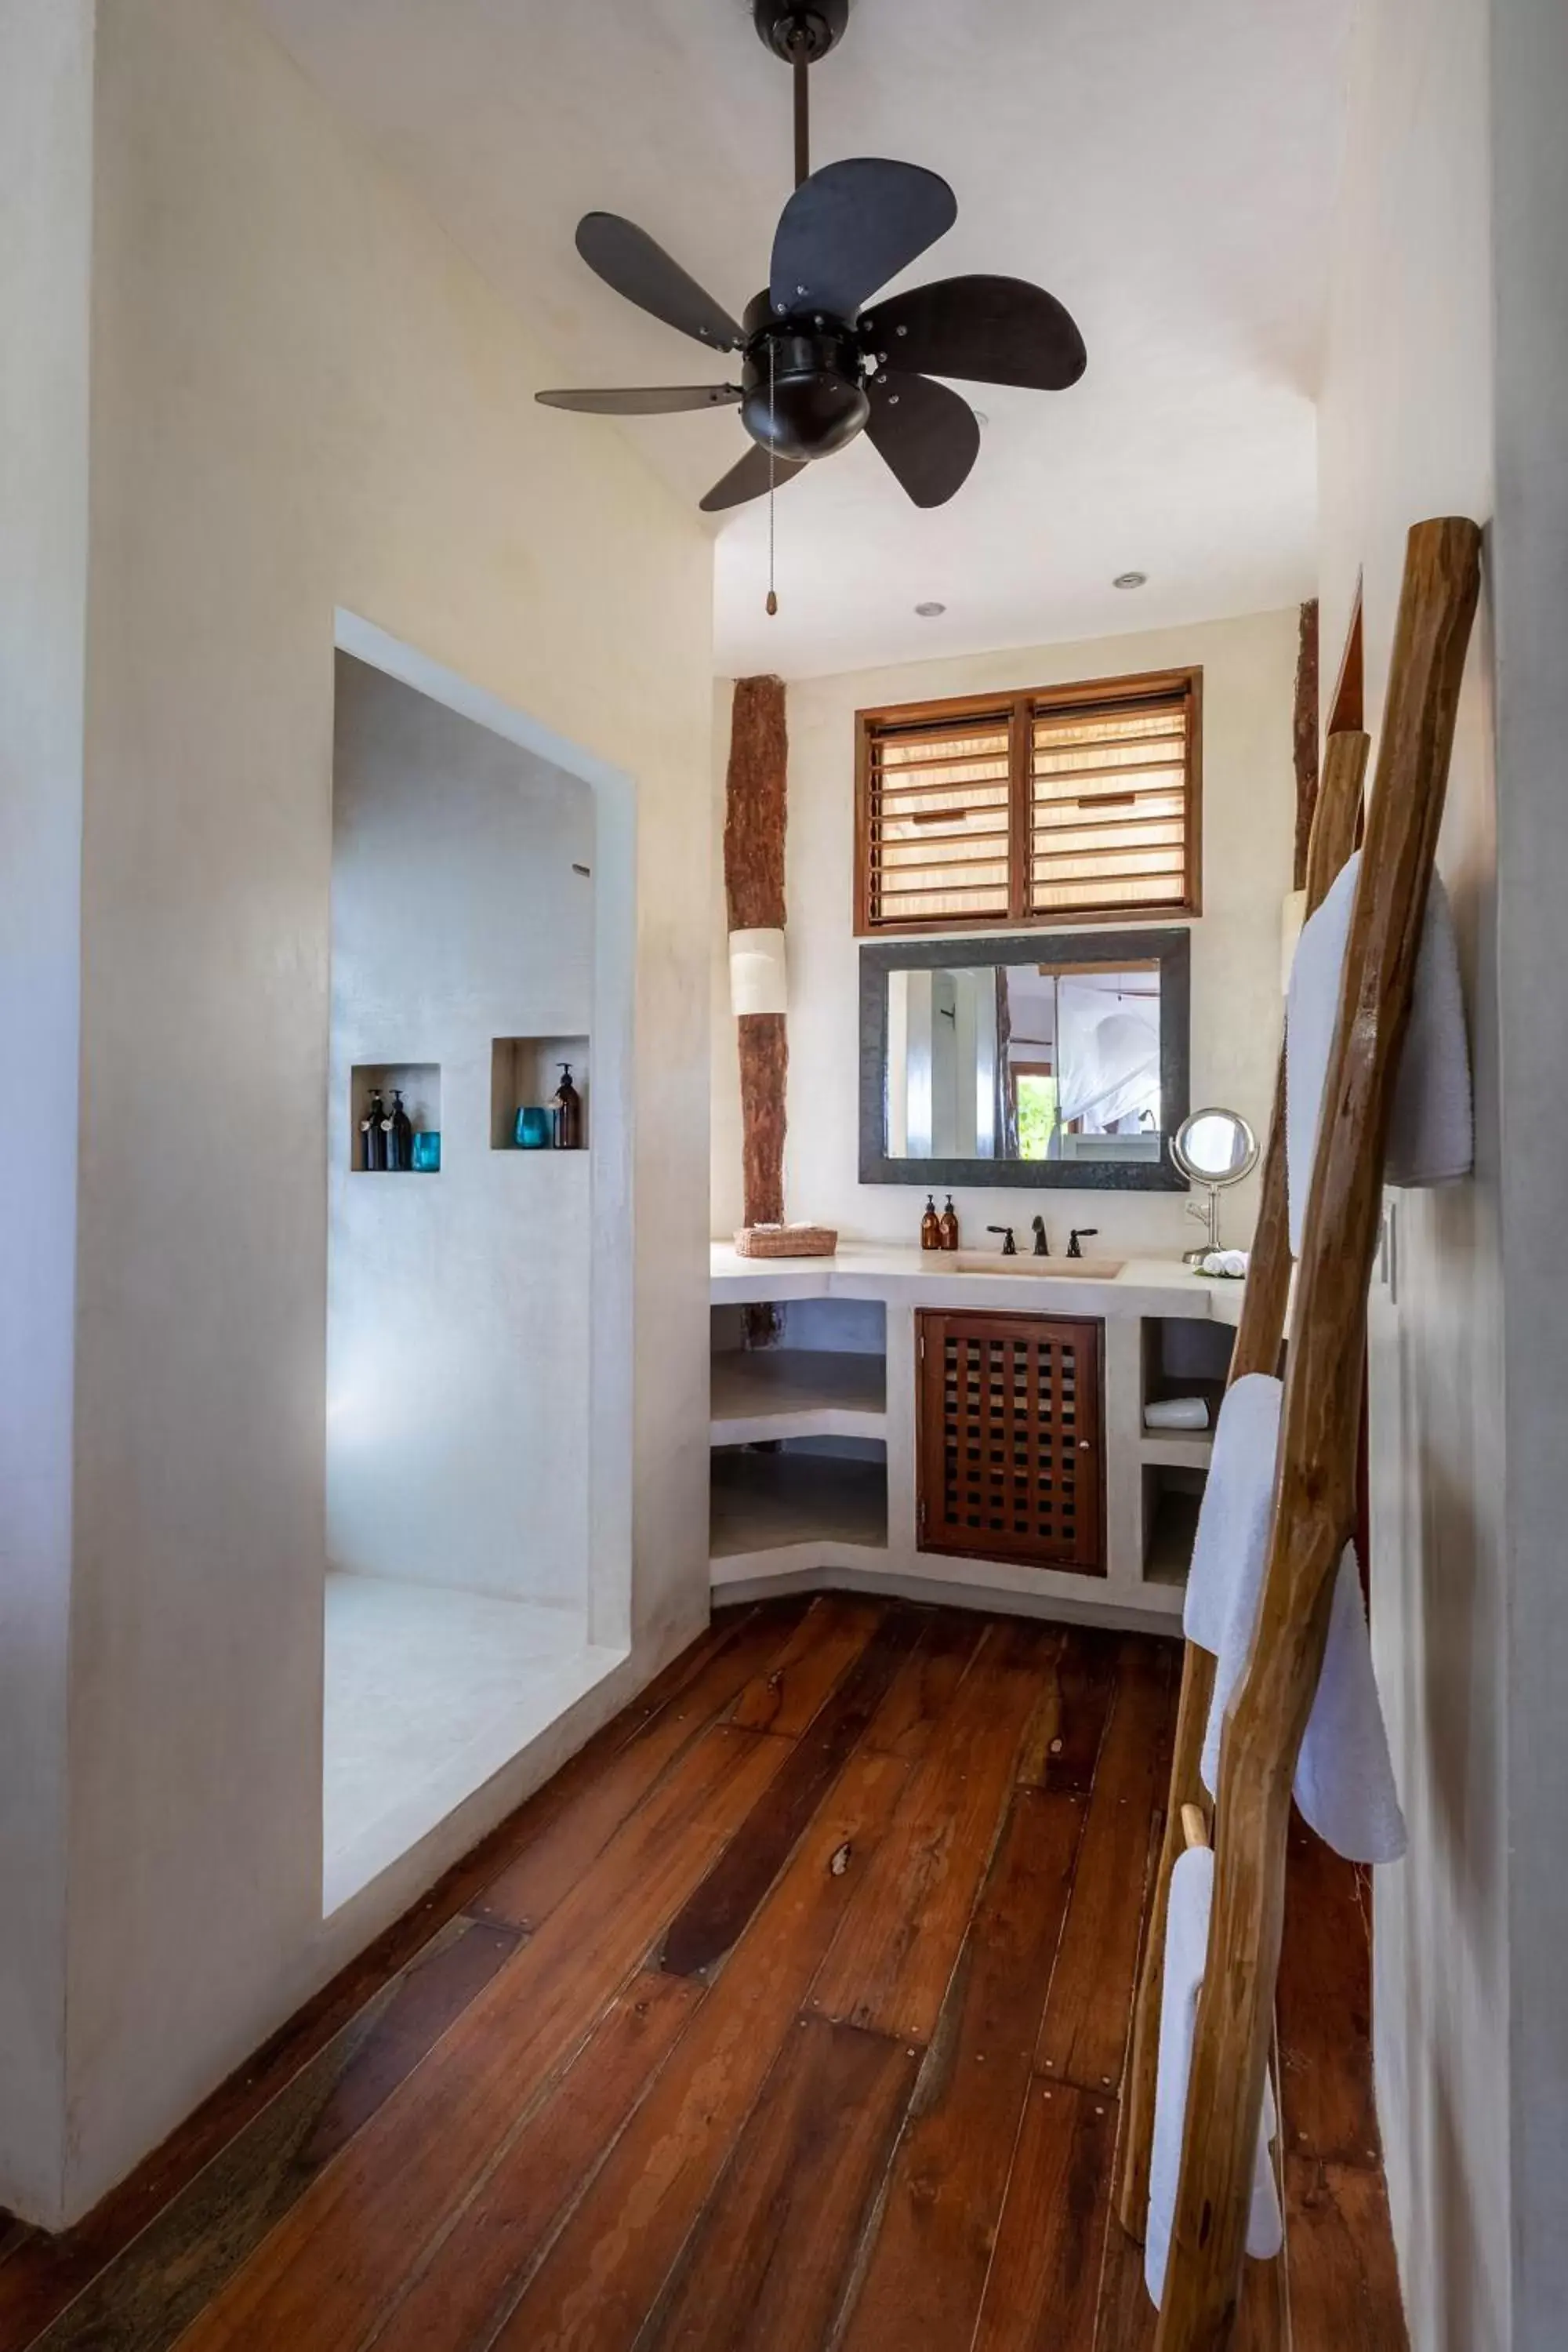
(527, 1070)
(827, 1376)
(419, 1084)
(799, 1429)
(812, 1490)
(1172, 1494)
(1183, 1357)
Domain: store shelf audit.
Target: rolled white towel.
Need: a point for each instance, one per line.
(1176, 1413)
(1231, 1262)
(1431, 1137)
(1344, 1776)
(1186, 1950)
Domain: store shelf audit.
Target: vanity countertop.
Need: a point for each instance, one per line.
(1144, 1285)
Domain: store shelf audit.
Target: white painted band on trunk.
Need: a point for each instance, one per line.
(758, 983)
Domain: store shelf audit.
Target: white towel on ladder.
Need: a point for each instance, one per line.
(1344, 1777)
(1187, 1949)
(1431, 1137)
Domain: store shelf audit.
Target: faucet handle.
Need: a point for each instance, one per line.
(1080, 1233)
(1009, 1247)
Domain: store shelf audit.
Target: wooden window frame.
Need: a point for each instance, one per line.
(1019, 709)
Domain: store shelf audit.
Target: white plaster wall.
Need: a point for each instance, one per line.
(46, 183)
(1529, 196)
(303, 398)
(458, 1305)
(1406, 431)
(1249, 669)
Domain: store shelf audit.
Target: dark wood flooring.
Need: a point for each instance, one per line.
(793, 2013)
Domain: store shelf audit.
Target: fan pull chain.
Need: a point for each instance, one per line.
(773, 604)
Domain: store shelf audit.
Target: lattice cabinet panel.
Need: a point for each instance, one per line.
(1010, 1453)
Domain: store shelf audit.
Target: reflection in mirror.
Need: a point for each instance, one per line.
(1025, 1062)
(1214, 1146)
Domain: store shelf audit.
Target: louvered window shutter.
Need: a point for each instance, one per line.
(1044, 807)
(937, 821)
(1110, 807)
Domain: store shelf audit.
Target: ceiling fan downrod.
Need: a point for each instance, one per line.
(801, 36)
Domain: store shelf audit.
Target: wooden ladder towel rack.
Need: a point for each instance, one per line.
(1314, 1499)
(1256, 1349)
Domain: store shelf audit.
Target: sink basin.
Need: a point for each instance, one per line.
(1061, 1269)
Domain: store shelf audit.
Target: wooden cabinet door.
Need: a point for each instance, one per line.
(1009, 1439)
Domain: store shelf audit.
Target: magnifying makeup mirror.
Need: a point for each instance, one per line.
(1215, 1148)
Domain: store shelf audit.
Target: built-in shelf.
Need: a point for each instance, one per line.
(419, 1084)
(1171, 1497)
(792, 1501)
(527, 1071)
(798, 1392)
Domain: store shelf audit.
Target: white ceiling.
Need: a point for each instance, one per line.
(1163, 166)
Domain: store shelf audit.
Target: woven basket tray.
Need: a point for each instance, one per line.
(786, 1241)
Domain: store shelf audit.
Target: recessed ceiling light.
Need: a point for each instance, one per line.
(931, 612)
(1130, 580)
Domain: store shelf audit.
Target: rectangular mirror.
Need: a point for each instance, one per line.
(1035, 1061)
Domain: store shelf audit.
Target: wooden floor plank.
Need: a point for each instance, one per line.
(1324, 2006)
(608, 2267)
(717, 1911)
(908, 1719)
(142, 2301)
(1126, 2318)
(764, 2269)
(824, 1645)
(924, 2272)
(1343, 2280)
(365, 2223)
(894, 1958)
(552, 1863)
(478, 2270)
(1045, 2281)
(1063, 1743)
(1084, 2031)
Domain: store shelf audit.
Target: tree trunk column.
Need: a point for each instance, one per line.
(755, 821)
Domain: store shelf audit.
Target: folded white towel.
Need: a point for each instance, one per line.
(1431, 1137)
(1234, 1515)
(1186, 1950)
(1345, 1777)
(1229, 1262)
(1176, 1413)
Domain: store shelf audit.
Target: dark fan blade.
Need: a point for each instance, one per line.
(627, 257)
(927, 435)
(850, 228)
(647, 400)
(749, 479)
(990, 329)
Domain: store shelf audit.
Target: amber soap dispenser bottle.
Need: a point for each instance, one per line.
(931, 1226)
(947, 1227)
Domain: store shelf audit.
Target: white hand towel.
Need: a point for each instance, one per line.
(1345, 1777)
(1176, 1413)
(1431, 1137)
(1186, 1949)
(1233, 1518)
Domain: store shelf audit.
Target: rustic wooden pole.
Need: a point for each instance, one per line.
(755, 806)
(1256, 1349)
(1315, 1497)
(1304, 735)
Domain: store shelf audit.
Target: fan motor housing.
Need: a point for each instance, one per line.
(794, 30)
(804, 396)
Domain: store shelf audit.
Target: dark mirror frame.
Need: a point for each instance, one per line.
(1173, 949)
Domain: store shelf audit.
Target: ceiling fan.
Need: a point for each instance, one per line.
(817, 367)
